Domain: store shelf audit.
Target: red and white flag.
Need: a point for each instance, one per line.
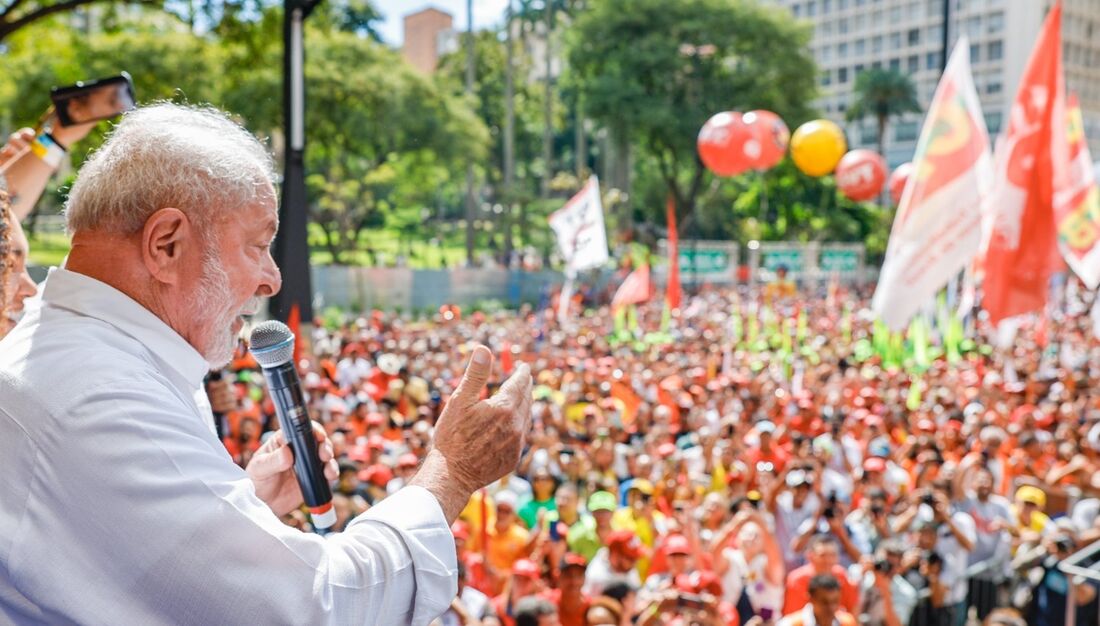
(1077, 207)
(1032, 160)
(937, 229)
(634, 289)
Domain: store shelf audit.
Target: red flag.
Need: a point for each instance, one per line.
(634, 289)
(1077, 206)
(294, 323)
(1032, 160)
(630, 402)
(673, 292)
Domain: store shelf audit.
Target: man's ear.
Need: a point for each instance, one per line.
(165, 238)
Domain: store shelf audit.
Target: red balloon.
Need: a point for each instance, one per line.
(771, 135)
(860, 174)
(722, 143)
(898, 180)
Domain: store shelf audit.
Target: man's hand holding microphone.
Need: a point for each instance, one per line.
(476, 441)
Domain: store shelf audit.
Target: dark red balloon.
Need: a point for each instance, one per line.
(722, 143)
(898, 180)
(860, 174)
(772, 137)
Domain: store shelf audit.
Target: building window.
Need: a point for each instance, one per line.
(842, 75)
(906, 131)
(811, 8)
(935, 32)
(826, 6)
(858, 69)
(827, 78)
(994, 86)
(995, 23)
(861, 47)
(974, 26)
(932, 61)
(876, 44)
(876, 18)
(842, 50)
(796, 10)
(895, 41)
(914, 64)
(996, 51)
(826, 53)
(842, 107)
(876, 65)
(842, 5)
(826, 29)
(993, 122)
(895, 65)
(868, 135)
(914, 36)
(842, 26)
(895, 14)
(975, 53)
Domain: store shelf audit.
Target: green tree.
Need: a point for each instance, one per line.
(883, 94)
(653, 72)
(373, 129)
(490, 104)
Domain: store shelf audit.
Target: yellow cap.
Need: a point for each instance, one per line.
(1031, 494)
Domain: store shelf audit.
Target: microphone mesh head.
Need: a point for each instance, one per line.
(272, 343)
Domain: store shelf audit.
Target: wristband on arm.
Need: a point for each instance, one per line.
(47, 148)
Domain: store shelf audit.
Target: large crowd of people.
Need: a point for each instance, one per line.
(708, 479)
(759, 460)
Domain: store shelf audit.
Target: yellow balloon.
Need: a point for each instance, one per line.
(817, 147)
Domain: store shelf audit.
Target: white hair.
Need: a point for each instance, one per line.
(166, 155)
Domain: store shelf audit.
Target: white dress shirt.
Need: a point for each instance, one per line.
(119, 505)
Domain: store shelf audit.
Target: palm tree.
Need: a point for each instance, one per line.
(883, 94)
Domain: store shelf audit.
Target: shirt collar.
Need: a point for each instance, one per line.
(87, 296)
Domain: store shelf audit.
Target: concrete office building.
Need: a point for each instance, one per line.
(907, 35)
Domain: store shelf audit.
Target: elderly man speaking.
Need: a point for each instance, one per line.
(118, 502)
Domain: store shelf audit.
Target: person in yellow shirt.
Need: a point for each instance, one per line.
(642, 518)
(1027, 521)
(781, 288)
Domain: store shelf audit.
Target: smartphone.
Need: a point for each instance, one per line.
(91, 101)
(690, 601)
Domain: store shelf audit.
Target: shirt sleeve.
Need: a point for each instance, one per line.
(138, 504)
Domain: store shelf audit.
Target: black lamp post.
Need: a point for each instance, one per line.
(292, 242)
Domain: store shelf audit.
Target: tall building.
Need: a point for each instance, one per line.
(429, 34)
(907, 35)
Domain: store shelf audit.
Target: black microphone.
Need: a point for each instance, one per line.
(272, 344)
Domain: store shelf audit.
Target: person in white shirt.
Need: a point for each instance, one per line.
(119, 503)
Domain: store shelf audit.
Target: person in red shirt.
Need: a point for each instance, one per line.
(477, 576)
(571, 602)
(823, 555)
(526, 581)
(769, 451)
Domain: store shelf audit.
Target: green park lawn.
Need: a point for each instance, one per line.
(49, 249)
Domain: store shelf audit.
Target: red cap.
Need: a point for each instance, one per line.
(874, 464)
(573, 560)
(701, 581)
(625, 543)
(677, 544)
(527, 569)
(378, 475)
(359, 453)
